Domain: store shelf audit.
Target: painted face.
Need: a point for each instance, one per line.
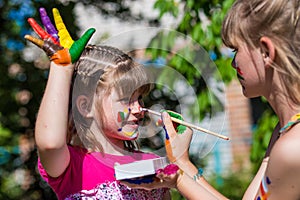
(122, 116)
(250, 71)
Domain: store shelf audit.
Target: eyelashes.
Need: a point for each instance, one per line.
(233, 62)
(128, 101)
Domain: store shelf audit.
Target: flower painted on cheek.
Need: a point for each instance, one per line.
(122, 116)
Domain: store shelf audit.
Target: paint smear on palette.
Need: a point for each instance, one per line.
(122, 116)
(264, 191)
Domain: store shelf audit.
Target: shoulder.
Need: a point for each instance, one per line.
(283, 170)
(287, 148)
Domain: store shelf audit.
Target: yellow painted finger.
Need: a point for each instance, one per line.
(64, 36)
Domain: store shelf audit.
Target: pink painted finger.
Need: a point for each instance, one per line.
(50, 28)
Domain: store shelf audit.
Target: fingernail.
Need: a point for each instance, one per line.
(164, 114)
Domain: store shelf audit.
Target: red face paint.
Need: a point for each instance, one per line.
(239, 73)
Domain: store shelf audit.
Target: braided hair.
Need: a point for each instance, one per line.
(99, 70)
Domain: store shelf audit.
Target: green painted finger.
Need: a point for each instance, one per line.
(78, 46)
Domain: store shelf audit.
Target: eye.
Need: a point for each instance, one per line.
(125, 100)
(141, 101)
(233, 62)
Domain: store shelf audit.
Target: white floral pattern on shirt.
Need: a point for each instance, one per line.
(115, 191)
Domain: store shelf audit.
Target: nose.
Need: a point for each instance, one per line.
(135, 107)
(136, 110)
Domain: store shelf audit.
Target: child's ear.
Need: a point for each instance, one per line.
(268, 50)
(83, 106)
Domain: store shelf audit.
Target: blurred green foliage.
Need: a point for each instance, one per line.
(261, 137)
(233, 184)
(200, 25)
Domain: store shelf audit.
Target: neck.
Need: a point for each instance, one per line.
(279, 99)
(283, 106)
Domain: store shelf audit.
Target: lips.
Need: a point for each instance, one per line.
(130, 128)
(239, 73)
(129, 134)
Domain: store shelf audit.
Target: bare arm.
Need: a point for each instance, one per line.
(195, 189)
(189, 188)
(52, 119)
(255, 183)
(182, 180)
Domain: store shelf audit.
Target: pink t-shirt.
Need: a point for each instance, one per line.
(91, 176)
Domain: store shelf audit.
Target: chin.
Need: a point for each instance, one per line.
(248, 94)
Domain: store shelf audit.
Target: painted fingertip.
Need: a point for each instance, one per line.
(42, 11)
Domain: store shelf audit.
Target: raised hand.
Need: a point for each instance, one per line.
(57, 43)
(178, 127)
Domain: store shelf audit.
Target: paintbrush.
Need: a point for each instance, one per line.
(187, 124)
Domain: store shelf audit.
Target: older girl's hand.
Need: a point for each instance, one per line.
(177, 142)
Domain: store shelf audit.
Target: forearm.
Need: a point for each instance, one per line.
(192, 190)
(52, 119)
(195, 188)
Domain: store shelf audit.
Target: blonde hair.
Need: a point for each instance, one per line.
(99, 70)
(248, 21)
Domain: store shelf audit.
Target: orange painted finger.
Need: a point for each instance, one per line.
(36, 41)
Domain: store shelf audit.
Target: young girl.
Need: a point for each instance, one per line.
(88, 120)
(266, 37)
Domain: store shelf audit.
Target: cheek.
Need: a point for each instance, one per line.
(122, 114)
